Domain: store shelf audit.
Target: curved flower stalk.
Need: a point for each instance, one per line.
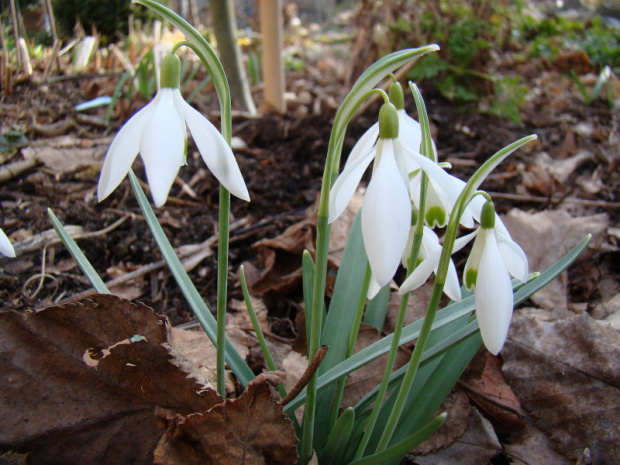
(158, 131)
(493, 259)
(430, 253)
(6, 248)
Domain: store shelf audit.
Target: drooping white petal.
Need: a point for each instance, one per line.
(6, 248)
(409, 132)
(443, 189)
(386, 215)
(514, 258)
(162, 146)
(344, 187)
(373, 288)
(421, 273)
(494, 298)
(363, 144)
(472, 265)
(462, 241)
(123, 151)
(452, 288)
(214, 150)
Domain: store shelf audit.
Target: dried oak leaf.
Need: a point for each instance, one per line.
(251, 429)
(81, 382)
(567, 376)
(486, 387)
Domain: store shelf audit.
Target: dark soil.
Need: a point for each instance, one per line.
(282, 166)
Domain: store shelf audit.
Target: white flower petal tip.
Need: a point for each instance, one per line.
(158, 132)
(430, 254)
(215, 152)
(386, 216)
(488, 273)
(6, 248)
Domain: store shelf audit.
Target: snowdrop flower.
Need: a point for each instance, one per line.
(6, 248)
(158, 131)
(430, 253)
(386, 213)
(493, 259)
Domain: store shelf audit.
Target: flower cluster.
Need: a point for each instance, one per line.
(394, 197)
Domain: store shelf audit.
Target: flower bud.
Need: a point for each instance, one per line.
(487, 215)
(397, 97)
(388, 122)
(170, 72)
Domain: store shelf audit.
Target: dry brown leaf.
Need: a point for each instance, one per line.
(567, 376)
(458, 408)
(282, 259)
(81, 382)
(478, 445)
(545, 237)
(486, 387)
(531, 446)
(252, 430)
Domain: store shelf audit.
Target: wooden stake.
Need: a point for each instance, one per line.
(273, 68)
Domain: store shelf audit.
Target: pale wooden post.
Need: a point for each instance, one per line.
(273, 68)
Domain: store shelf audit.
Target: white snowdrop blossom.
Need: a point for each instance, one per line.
(6, 248)
(386, 213)
(493, 259)
(159, 133)
(428, 261)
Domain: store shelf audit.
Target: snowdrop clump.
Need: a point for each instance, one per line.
(393, 198)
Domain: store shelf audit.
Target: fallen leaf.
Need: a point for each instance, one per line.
(458, 408)
(545, 237)
(567, 376)
(478, 445)
(252, 430)
(486, 387)
(532, 446)
(81, 382)
(282, 259)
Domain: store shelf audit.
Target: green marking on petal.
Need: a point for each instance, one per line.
(470, 278)
(435, 216)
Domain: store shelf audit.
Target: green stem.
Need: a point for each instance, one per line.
(359, 314)
(222, 286)
(206, 54)
(398, 327)
(412, 369)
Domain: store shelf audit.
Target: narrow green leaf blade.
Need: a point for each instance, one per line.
(77, 254)
(204, 316)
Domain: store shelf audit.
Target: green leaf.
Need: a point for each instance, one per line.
(349, 283)
(200, 309)
(338, 438)
(396, 452)
(376, 310)
(77, 254)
